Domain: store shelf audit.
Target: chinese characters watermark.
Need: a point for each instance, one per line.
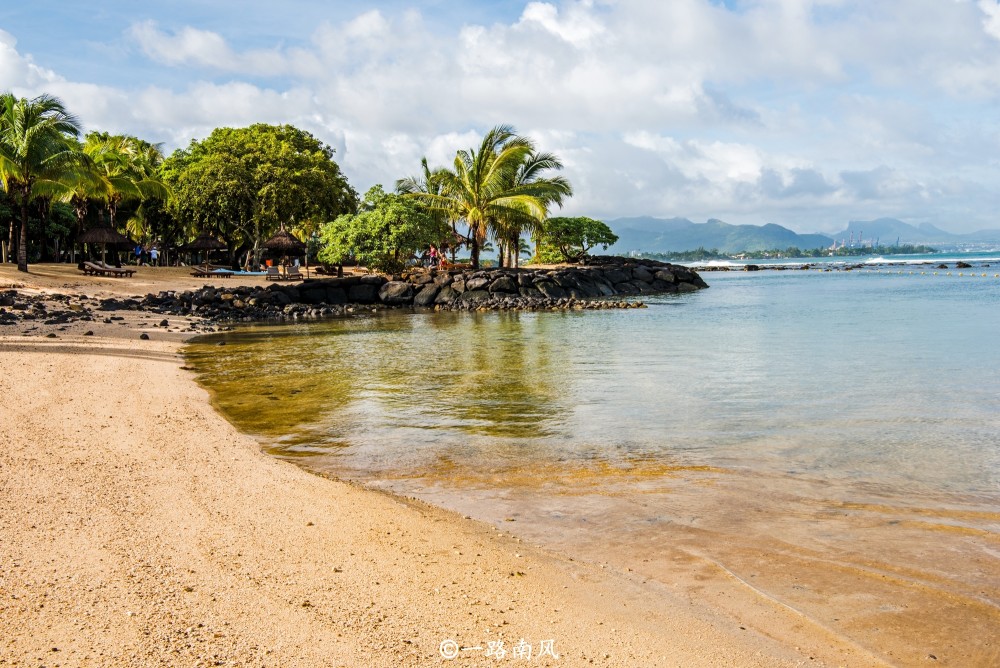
(498, 650)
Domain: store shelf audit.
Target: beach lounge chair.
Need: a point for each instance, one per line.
(273, 274)
(292, 274)
(98, 269)
(117, 271)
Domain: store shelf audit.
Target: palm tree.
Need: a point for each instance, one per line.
(127, 168)
(431, 182)
(493, 190)
(36, 153)
(550, 190)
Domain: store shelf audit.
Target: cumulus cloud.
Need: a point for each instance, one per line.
(756, 111)
(19, 72)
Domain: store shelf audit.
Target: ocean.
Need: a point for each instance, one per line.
(820, 439)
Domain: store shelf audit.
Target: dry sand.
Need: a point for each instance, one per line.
(139, 528)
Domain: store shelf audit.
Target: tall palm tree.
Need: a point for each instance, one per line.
(550, 190)
(37, 152)
(127, 168)
(496, 188)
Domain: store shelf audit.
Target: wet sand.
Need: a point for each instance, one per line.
(911, 582)
(138, 528)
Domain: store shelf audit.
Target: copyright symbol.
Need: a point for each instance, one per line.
(448, 649)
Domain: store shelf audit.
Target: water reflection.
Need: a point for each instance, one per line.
(395, 382)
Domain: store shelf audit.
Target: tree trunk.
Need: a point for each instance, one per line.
(43, 214)
(474, 247)
(22, 246)
(11, 242)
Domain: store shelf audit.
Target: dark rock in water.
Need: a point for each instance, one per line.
(427, 295)
(313, 294)
(164, 323)
(144, 336)
(663, 286)
(365, 293)
(666, 276)
(476, 283)
(642, 274)
(550, 290)
(89, 332)
(446, 295)
(504, 284)
(751, 267)
(474, 296)
(941, 266)
(616, 276)
(50, 335)
(335, 295)
(531, 293)
(396, 292)
(7, 298)
(963, 265)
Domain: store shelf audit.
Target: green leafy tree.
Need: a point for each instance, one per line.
(490, 190)
(570, 239)
(243, 183)
(37, 153)
(388, 230)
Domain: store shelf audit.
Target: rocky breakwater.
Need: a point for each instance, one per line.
(601, 286)
(593, 286)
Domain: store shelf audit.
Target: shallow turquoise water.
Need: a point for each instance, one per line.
(879, 378)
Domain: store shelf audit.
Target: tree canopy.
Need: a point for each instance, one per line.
(570, 239)
(243, 183)
(387, 231)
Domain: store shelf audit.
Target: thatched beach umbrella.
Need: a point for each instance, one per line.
(204, 242)
(287, 244)
(103, 235)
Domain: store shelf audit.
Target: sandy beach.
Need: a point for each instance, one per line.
(139, 528)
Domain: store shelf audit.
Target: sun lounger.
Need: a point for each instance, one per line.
(292, 274)
(97, 269)
(273, 274)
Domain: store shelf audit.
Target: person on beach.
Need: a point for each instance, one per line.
(138, 255)
(433, 256)
(154, 256)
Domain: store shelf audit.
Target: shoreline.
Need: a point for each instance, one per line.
(141, 528)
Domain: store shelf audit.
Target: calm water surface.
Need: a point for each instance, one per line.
(829, 421)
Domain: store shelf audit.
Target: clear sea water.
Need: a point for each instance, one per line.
(823, 419)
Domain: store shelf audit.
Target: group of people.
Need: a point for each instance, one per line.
(151, 258)
(433, 257)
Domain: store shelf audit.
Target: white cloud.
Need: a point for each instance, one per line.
(19, 72)
(991, 20)
(687, 107)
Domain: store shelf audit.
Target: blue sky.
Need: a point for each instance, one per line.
(806, 113)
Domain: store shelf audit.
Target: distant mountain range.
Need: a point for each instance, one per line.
(887, 230)
(663, 235)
